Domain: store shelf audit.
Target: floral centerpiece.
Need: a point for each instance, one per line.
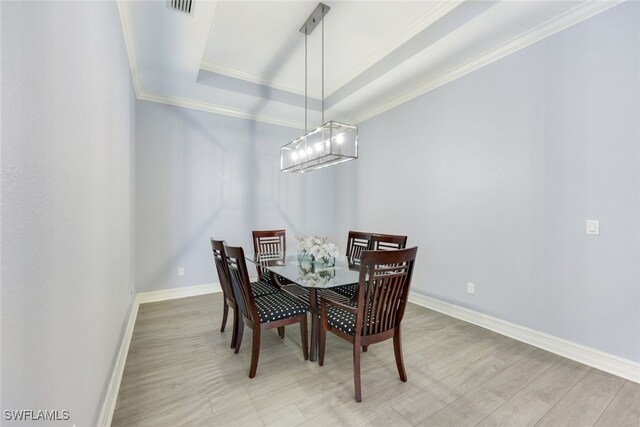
(316, 276)
(317, 250)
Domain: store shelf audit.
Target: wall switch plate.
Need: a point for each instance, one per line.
(593, 227)
(133, 288)
(471, 288)
(180, 271)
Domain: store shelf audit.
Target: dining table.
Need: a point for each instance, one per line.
(314, 277)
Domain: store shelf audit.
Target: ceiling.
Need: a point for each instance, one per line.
(246, 58)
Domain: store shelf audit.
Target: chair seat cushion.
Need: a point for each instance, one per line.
(279, 306)
(261, 289)
(346, 290)
(266, 278)
(341, 319)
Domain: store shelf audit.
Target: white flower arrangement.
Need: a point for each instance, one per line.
(318, 277)
(317, 249)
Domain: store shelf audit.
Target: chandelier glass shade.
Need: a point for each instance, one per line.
(328, 145)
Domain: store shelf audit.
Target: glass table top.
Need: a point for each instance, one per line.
(345, 271)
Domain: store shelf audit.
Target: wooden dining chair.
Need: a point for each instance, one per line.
(272, 243)
(268, 242)
(258, 289)
(357, 242)
(267, 312)
(380, 242)
(377, 314)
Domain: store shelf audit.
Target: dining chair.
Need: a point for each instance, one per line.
(373, 241)
(268, 242)
(258, 289)
(357, 241)
(387, 242)
(377, 314)
(272, 243)
(267, 312)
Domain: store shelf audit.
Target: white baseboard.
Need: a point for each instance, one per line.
(175, 293)
(109, 405)
(589, 356)
(598, 359)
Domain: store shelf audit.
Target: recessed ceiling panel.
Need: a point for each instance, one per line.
(262, 39)
(246, 58)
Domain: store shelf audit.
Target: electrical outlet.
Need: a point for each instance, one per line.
(180, 271)
(593, 227)
(471, 288)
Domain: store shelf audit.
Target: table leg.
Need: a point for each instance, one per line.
(315, 323)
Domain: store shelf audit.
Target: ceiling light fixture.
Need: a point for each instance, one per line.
(329, 144)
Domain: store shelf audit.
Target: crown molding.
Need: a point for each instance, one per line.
(546, 29)
(552, 26)
(130, 47)
(219, 109)
(426, 20)
(254, 78)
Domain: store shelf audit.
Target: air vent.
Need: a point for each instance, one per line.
(182, 6)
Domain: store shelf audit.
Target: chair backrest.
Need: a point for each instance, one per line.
(239, 278)
(269, 242)
(356, 243)
(385, 278)
(217, 246)
(385, 242)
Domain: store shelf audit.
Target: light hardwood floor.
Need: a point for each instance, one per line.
(181, 371)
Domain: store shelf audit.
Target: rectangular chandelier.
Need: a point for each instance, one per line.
(330, 144)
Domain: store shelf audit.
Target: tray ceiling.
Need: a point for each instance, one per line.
(246, 59)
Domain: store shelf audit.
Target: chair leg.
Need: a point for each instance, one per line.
(356, 371)
(281, 331)
(255, 352)
(236, 322)
(239, 337)
(322, 338)
(225, 312)
(397, 349)
(304, 337)
(365, 348)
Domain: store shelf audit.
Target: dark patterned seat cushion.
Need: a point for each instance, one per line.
(279, 306)
(265, 277)
(346, 290)
(261, 289)
(341, 319)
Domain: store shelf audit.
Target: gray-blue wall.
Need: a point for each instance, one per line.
(67, 130)
(199, 174)
(494, 175)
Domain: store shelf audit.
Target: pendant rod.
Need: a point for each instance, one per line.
(307, 28)
(305, 82)
(323, 71)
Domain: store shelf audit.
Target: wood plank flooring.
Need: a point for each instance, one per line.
(180, 371)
